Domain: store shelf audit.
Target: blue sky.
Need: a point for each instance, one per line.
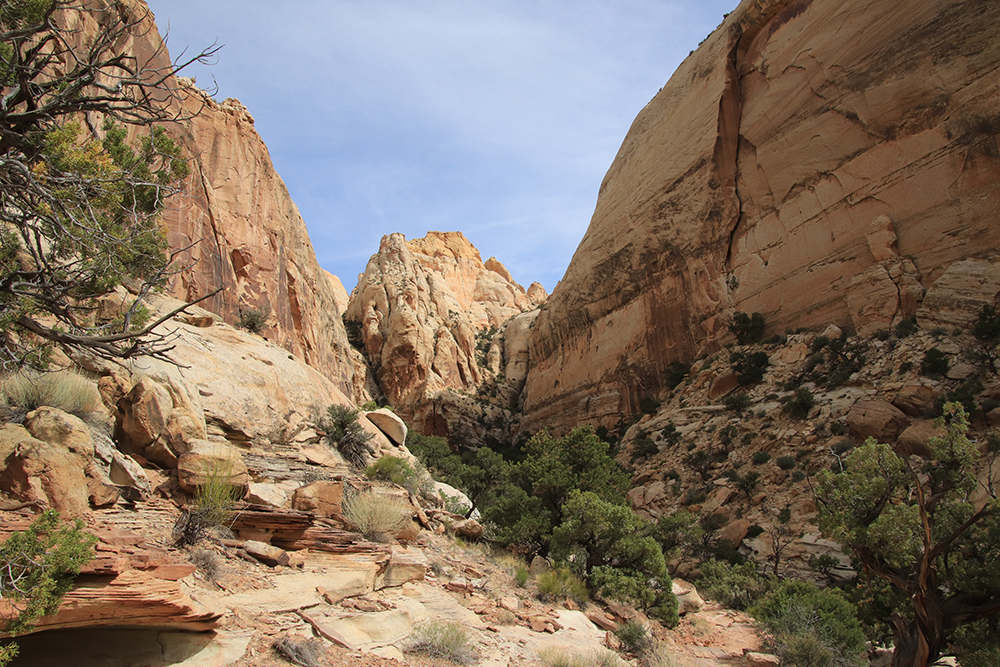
(495, 118)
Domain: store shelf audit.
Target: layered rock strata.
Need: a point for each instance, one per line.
(819, 162)
(427, 312)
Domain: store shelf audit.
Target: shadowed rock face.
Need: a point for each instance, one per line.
(420, 306)
(820, 161)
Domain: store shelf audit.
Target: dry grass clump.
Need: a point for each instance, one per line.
(448, 641)
(561, 657)
(298, 650)
(377, 516)
(212, 508)
(208, 563)
(20, 393)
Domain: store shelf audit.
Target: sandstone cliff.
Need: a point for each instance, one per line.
(819, 161)
(427, 312)
(237, 227)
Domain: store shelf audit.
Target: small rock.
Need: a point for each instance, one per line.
(468, 528)
(266, 553)
(753, 659)
(601, 620)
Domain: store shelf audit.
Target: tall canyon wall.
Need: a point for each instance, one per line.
(236, 224)
(818, 161)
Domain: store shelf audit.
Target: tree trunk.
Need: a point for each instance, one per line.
(916, 646)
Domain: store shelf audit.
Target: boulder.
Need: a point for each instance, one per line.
(468, 529)
(271, 495)
(60, 428)
(734, 532)
(754, 659)
(48, 475)
(206, 460)
(323, 498)
(389, 423)
(876, 419)
(266, 553)
(405, 565)
(917, 400)
(913, 439)
(723, 385)
(125, 471)
(687, 596)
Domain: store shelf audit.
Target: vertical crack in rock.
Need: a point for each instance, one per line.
(216, 236)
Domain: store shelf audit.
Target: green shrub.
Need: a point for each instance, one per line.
(935, 363)
(340, 423)
(399, 471)
(738, 403)
(733, 586)
(986, 331)
(211, 508)
(798, 476)
(748, 329)
(906, 367)
(965, 394)
(447, 641)
(749, 367)
(643, 448)
(254, 320)
(786, 462)
(649, 405)
(906, 327)
(759, 458)
(354, 334)
(20, 393)
(670, 434)
(560, 583)
(811, 626)
(521, 575)
(37, 568)
(799, 405)
(676, 372)
(635, 638)
(377, 516)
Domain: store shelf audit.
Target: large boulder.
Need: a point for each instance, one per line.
(323, 498)
(48, 475)
(60, 428)
(389, 423)
(876, 419)
(208, 462)
(917, 399)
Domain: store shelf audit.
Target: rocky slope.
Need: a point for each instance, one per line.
(818, 162)
(428, 312)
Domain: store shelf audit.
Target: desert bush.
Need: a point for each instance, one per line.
(208, 563)
(375, 515)
(340, 423)
(643, 448)
(211, 508)
(676, 372)
(521, 575)
(649, 405)
(20, 393)
(760, 458)
(748, 329)
(906, 327)
(736, 402)
(560, 583)
(399, 471)
(786, 462)
(254, 320)
(298, 650)
(800, 403)
(447, 641)
(553, 656)
(670, 434)
(635, 638)
(810, 627)
(37, 568)
(935, 363)
(986, 331)
(733, 586)
(749, 367)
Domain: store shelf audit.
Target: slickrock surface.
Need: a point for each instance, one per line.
(420, 305)
(818, 162)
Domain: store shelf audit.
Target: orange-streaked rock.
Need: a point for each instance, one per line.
(818, 162)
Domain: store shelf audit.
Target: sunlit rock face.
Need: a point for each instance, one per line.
(819, 162)
(235, 226)
(422, 307)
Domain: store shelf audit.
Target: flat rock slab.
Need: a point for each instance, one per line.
(295, 591)
(91, 647)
